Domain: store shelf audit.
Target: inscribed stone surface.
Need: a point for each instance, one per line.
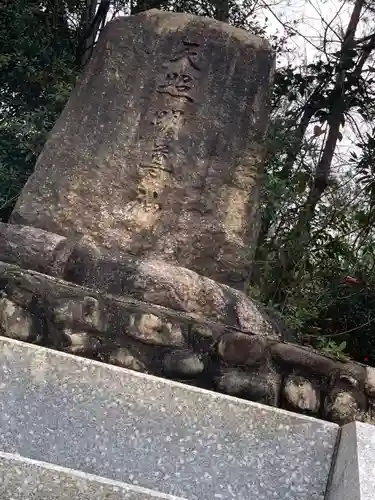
(159, 149)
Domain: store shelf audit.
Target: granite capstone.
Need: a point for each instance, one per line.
(155, 433)
(366, 459)
(24, 479)
(353, 475)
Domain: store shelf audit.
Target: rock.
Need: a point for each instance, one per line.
(343, 407)
(306, 360)
(348, 380)
(371, 410)
(301, 394)
(242, 349)
(370, 381)
(164, 284)
(82, 343)
(234, 382)
(29, 247)
(152, 329)
(349, 376)
(124, 358)
(137, 335)
(166, 210)
(80, 262)
(202, 331)
(260, 387)
(183, 363)
(16, 322)
(68, 306)
(179, 106)
(83, 311)
(301, 359)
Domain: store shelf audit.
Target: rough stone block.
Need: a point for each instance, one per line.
(263, 387)
(308, 361)
(158, 434)
(16, 322)
(183, 363)
(155, 282)
(344, 406)
(242, 349)
(301, 394)
(159, 150)
(69, 309)
(29, 247)
(24, 479)
(353, 475)
(370, 381)
(167, 285)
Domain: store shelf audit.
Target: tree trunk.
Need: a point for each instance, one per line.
(222, 8)
(291, 254)
(301, 233)
(323, 169)
(92, 20)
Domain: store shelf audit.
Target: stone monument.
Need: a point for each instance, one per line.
(159, 150)
(148, 185)
(132, 240)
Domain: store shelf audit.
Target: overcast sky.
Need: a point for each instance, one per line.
(311, 18)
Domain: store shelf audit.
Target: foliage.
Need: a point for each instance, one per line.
(318, 203)
(36, 75)
(332, 348)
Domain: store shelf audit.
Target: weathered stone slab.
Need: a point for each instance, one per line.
(159, 149)
(29, 247)
(23, 479)
(152, 281)
(162, 435)
(67, 305)
(354, 471)
(175, 287)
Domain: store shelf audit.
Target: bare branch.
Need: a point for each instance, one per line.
(287, 27)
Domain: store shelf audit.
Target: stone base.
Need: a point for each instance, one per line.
(354, 471)
(144, 337)
(23, 479)
(80, 261)
(155, 433)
